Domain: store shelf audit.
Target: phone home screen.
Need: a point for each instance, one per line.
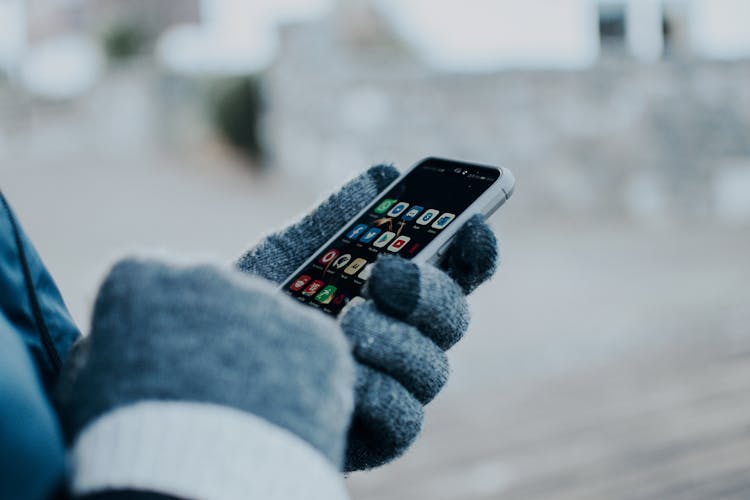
(402, 222)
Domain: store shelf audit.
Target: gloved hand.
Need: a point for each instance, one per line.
(400, 335)
(198, 382)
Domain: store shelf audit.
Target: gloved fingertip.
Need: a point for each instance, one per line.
(474, 256)
(366, 450)
(382, 175)
(396, 349)
(394, 286)
(440, 378)
(442, 313)
(387, 419)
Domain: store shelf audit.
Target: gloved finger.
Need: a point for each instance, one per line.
(420, 295)
(473, 256)
(396, 349)
(387, 419)
(278, 255)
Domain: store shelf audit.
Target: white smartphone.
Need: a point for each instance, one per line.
(415, 217)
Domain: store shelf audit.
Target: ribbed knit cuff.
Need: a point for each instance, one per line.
(199, 450)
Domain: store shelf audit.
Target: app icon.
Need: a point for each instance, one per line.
(313, 288)
(355, 266)
(414, 248)
(341, 261)
(384, 239)
(356, 231)
(341, 299)
(326, 294)
(370, 235)
(300, 283)
(366, 272)
(398, 209)
(443, 220)
(384, 205)
(413, 212)
(427, 217)
(328, 257)
(398, 243)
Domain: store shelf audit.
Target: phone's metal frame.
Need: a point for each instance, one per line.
(492, 199)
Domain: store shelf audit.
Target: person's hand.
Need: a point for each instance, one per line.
(414, 314)
(400, 335)
(197, 382)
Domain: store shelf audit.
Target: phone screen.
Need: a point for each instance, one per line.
(402, 221)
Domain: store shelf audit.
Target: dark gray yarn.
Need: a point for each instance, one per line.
(414, 313)
(474, 257)
(278, 255)
(204, 334)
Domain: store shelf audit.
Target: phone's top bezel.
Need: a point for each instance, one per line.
(486, 204)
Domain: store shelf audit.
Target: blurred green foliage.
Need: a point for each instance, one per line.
(237, 105)
(123, 42)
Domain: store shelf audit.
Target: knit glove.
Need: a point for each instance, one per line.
(202, 382)
(399, 336)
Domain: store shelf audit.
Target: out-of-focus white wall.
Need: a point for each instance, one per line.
(487, 35)
(719, 28)
(12, 33)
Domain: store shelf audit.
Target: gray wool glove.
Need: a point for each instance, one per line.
(202, 382)
(399, 336)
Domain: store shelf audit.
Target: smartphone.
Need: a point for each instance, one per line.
(415, 217)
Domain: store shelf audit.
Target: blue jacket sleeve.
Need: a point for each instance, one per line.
(30, 301)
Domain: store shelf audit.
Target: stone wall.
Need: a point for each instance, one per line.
(658, 141)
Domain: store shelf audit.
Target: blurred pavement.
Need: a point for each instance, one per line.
(606, 360)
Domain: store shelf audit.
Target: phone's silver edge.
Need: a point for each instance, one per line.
(487, 204)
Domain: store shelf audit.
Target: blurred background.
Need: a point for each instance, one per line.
(610, 357)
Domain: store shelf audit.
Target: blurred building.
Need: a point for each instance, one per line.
(583, 97)
(45, 18)
(457, 36)
(649, 119)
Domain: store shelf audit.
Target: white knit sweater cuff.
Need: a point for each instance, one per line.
(199, 450)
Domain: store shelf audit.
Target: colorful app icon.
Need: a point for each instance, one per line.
(370, 235)
(398, 209)
(341, 261)
(366, 272)
(328, 257)
(443, 220)
(356, 231)
(414, 248)
(341, 299)
(384, 239)
(300, 283)
(398, 243)
(413, 212)
(384, 205)
(313, 288)
(355, 266)
(427, 217)
(325, 296)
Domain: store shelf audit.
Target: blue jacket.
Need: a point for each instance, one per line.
(36, 334)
